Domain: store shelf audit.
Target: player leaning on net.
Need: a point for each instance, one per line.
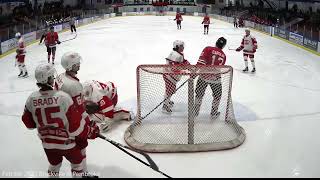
(210, 56)
(178, 19)
(249, 46)
(206, 22)
(20, 57)
(69, 83)
(51, 40)
(175, 58)
(100, 102)
(55, 116)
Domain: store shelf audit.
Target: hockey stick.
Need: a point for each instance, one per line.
(69, 39)
(232, 48)
(151, 164)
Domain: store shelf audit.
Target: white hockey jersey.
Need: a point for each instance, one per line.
(71, 86)
(104, 94)
(100, 89)
(249, 44)
(21, 47)
(175, 58)
(56, 118)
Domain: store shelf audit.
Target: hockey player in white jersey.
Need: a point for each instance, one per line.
(175, 58)
(20, 57)
(101, 103)
(69, 83)
(53, 114)
(249, 46)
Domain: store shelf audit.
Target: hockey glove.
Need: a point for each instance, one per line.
(93, 130)
(92, 108)
(58, 42)
(238, 49)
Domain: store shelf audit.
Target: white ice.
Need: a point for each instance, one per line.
(278, 106)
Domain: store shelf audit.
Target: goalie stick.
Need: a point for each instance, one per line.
(151, 164)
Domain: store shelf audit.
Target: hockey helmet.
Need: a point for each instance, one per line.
(247, 31)
(69, 59)
(43, 72)
(178, 43)
(18, 35)
(221, 42)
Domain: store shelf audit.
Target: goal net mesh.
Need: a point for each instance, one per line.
(184, 109)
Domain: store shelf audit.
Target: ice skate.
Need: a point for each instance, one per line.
(245, 69)
(25, 75)
(166, 109)
(214, 115)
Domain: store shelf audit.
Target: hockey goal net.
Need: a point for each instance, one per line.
(178, 112)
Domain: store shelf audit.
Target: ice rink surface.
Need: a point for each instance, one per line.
(278, 106)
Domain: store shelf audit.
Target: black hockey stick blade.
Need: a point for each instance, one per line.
(151, 164)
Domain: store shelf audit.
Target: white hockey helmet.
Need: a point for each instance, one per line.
(18, 35)
(69, 59)
(87, 90)
(178, 43)
(43, 72)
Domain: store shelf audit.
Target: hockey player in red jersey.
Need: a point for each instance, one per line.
(55, 116)
(20, 57)
(69, 83)
(51, 40)
(178, 19)
(101, 103)
(206, 22)
(210, 56)
(249, 46)
(175, 58)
